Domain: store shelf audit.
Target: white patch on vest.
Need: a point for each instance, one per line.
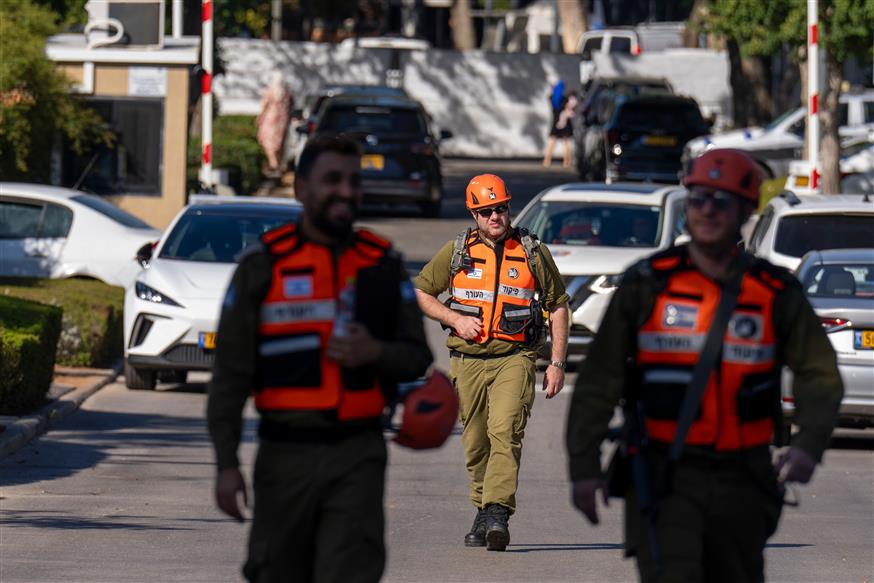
(513, 273)
(680, 316)
(514, 314)
(288, 312)
(474, 273)
(746, 326)
(747, 353)
(297, 286)
(289, 345)
(666, 342)
(473, 294)
(516, 292)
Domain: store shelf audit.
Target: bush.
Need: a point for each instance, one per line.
(29, 333)
(770, 188)
(92, 326)
(235, 148)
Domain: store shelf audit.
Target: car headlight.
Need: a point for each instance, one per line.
(149, 294)
(605, 284)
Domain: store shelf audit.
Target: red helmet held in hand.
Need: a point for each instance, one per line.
(430, 412)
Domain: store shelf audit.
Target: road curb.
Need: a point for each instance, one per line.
(24, 429)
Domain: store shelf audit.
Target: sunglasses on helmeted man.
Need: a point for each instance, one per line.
(720, 200)
(486, 213)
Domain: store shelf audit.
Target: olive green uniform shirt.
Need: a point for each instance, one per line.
(404, 358)
(434, 279)
(801, 345)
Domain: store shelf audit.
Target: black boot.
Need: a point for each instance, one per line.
(477, 535)
(497, 528)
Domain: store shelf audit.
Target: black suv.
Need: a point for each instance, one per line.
(641, 138)
(401, 161)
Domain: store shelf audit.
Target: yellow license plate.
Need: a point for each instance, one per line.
(372, 162)
(802, 180)
(206, 340)
(660, 140)
(864, 339)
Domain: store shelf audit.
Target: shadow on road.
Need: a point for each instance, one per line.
(531, 548)
(56, 519)
(850, 439)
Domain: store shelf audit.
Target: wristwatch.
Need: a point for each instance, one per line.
(558, 364)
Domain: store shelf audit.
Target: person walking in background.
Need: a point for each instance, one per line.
(320, 321)
(557, 100)
(693, 344)
(565, 126)
(501, 280)
(274, 119)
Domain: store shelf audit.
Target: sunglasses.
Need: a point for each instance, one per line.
(500, 209)
(720, 200)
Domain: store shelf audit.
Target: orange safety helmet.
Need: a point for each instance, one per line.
(733, 171)
(430, 412)
(486, 190)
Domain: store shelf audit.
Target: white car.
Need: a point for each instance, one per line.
(856, 163)
(781, 141)
(171, 311)
(47, 231)
(595, 232)
(791, 225)
(840, 286)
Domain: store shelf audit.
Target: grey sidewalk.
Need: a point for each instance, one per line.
(20, 430)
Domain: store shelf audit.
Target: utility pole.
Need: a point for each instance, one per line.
(554, 40)
(206, 94)
(813, 92)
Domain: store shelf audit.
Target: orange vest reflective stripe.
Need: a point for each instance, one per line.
(497, 287)
(738, 407)
(297, 320)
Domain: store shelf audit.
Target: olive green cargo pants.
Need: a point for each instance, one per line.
(714, 524)
(318, 511)
(495, 396)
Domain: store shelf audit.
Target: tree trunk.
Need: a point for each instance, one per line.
(830, 148)
(757, 71)
(462, 26)
(574, 22)
(740, 98)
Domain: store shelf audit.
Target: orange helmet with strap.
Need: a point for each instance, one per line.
(733, 171)
(486, 190)
(430, 412)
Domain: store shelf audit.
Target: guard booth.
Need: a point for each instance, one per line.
(138, 81)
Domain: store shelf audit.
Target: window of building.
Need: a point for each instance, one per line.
(132, 165)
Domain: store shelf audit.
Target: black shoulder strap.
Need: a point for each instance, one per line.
(708, 357)
(460, 259)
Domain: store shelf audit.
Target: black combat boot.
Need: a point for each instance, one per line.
(477, 535)
(497, 528)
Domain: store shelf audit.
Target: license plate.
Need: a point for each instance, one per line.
(660, 140)
(863, 339)
(206, 340)
(802, 181)
(372, 162)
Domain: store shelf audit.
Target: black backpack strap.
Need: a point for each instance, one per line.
(708, 358)
(531, 246)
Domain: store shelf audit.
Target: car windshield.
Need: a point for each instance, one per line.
(779, 119)
(798, 234)
(372, 119)
(841, 281)
(107, 209)
(643, 116)
(594, 224)
(216, 237)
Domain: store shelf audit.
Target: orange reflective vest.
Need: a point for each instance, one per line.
(297, 320)
(739, 404)
(498, 287)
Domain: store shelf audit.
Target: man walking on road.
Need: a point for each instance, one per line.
(500, 280)
(319, 321)
(701, 407)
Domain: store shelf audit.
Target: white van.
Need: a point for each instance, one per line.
(656, 36)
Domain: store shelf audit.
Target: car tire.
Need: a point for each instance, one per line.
(139, 379)
(179, 377)
(431, 209)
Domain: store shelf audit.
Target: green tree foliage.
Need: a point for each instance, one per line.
(35, 100)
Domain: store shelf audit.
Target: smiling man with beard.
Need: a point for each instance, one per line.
(320, 321)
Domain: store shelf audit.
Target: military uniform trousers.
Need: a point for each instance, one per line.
(713, 524)
(319, 511)
(495, 397)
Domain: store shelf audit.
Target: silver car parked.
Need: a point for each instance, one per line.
(840, 285)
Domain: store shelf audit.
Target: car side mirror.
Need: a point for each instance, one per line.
(144, 254)
(445, 134)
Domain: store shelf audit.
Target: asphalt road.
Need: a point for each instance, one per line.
(122, 490)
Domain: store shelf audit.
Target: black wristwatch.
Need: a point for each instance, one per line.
(558, 364)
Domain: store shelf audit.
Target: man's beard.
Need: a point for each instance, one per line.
(337, 229)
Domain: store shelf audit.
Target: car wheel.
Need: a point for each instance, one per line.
(431, 209)
(173, 376)
(139, 379)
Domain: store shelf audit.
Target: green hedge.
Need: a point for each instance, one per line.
(92, 328)
(234, 147)
(29, 333)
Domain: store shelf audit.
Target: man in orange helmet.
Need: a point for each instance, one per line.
(701, 409)
(501, 280)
